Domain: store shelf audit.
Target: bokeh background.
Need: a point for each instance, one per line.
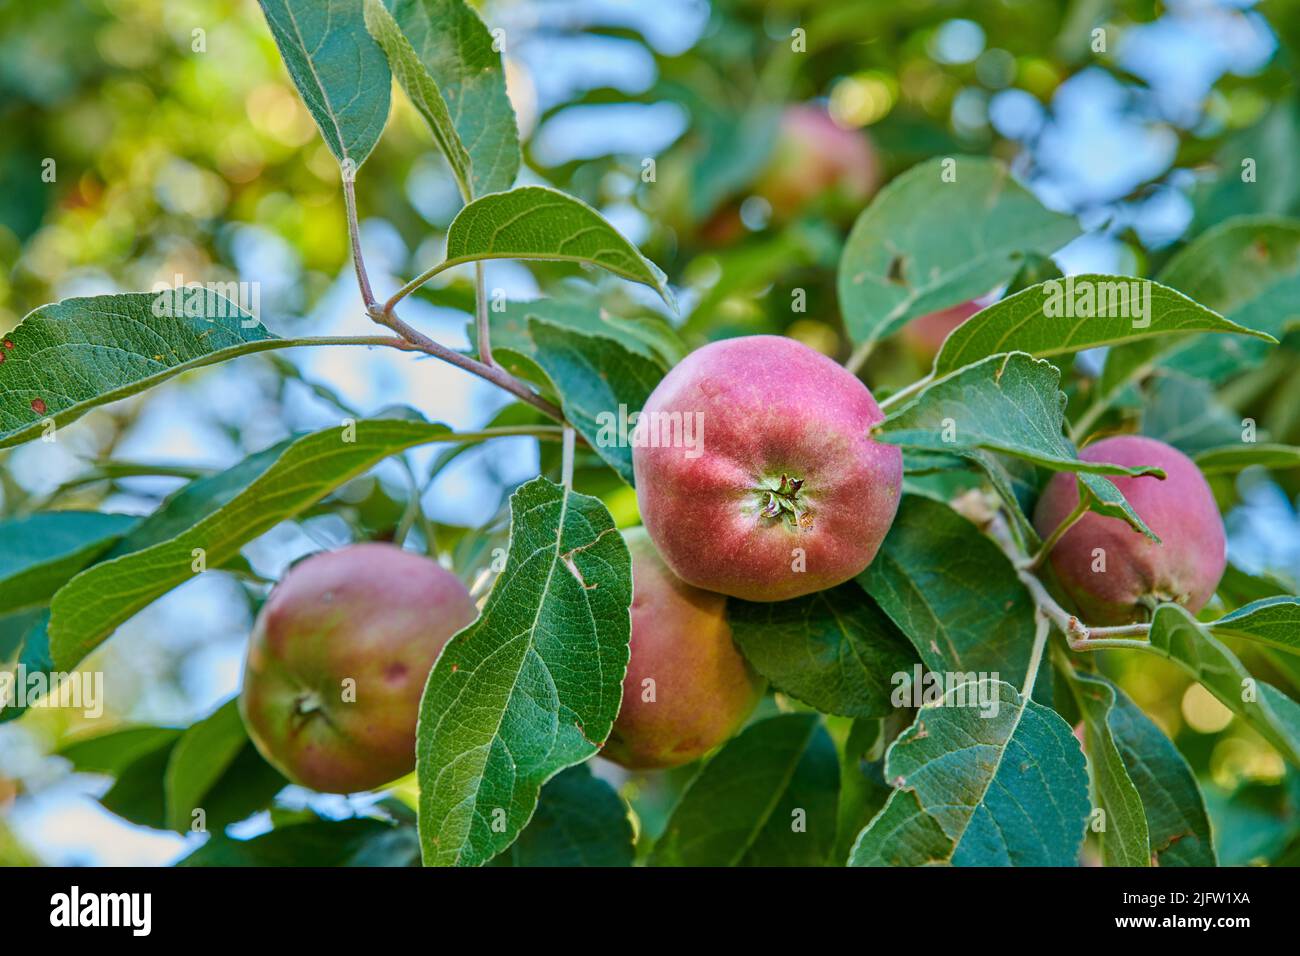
(171, 160)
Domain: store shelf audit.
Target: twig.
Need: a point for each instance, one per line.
(354, 235)
(907, 392)
(1042, 628)
(481, 317)
(385, 316)
(415, 283)
(1078, 634)
(419, 342)
(859, 357)
(566, 460)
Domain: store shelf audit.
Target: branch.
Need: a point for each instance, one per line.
(354, 235)
(907, 392)
(481, 317)
(1080, 636)
(419, 342)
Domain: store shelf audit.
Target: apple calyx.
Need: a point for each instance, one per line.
(783, 501)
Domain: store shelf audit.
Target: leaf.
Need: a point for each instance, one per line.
(1005, 403)
(925, 244)
(205, 754)
(339, 71)
(580, 821)
(1179, 637)
(536, 222)
(863, 790)
(1125, 839)
(1229, 459)
(94, 603)
(1104, 497)
(1034, 321)
(40, 552)
(354, 842)
(111, 753)
(600, 383)
(1006, 789)
(743, 806)
(1274, 621)
(64, 359)
(31, 630)
(1185, 413)
(1239, 587)
(1178, 827)
(834, 650)
(953, 592)
(1246, 269)
(902, 834)
(421, 89)
(647, 336)
(531, 687)
(456, 51)
(198, 499)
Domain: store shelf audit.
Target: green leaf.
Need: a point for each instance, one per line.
(953, 592)
(1125, 839)
(600, 384)
(355, 842)
(580, 821)
(94, 603)
(27, 633)
(205, 754)
(1239, 587)
(163, 773)
(455, 50)
(834, 650)
(1178, 827)
(925, 244)
(1246, 269)
(339, 71)
(1005, 403)
(1035, 320)
(198, 499)
(421, 89)
(863, 790)
(1104, 497)
(767, 798)
(1229, 459)
(1185, 413)
(536, 222)
(981, 790)
(113, 752)
(650, 337)
(40, 552)
(1274, 621)
(902, 834)
(531, 687)
(66, 358)
(1179, 637)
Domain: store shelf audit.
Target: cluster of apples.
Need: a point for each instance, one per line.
(788, 495)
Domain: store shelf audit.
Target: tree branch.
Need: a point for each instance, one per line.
(1078, 634)
(417, 341)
